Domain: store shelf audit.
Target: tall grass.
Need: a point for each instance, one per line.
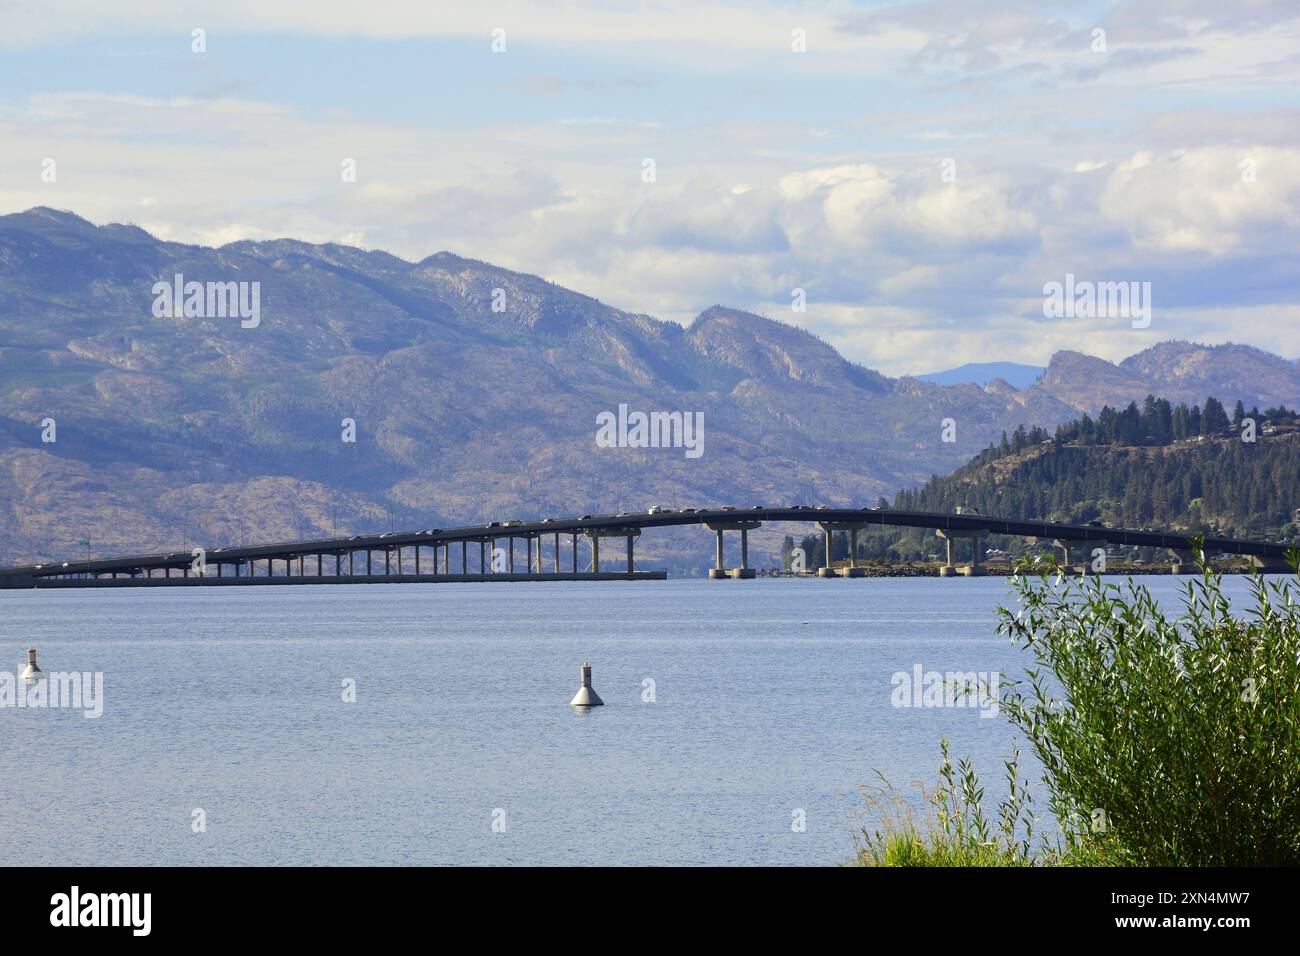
(958, 833)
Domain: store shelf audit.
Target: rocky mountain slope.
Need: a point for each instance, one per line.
(474, 392)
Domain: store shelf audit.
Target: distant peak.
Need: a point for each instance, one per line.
(445, 258)
(50, 214)
(724, 314)
(58, 215)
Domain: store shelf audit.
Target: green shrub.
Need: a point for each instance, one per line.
(1165, 741)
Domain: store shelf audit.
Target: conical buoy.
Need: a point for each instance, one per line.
(31, 672)
(586, 697)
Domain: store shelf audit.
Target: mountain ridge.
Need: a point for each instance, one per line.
(195, 430)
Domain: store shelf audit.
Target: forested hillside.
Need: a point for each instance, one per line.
(1161, 466)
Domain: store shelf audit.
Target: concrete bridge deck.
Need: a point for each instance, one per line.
(335, 560)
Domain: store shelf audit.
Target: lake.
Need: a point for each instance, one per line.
(771, 704)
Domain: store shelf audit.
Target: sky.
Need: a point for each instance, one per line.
(919, 170)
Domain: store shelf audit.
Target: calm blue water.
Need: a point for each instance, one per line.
(772, 695)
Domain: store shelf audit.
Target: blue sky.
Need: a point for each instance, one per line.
(775, 169)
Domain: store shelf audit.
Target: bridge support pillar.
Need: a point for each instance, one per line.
(557, 552)
(826, 571)
(719, 570)
(630, 564)
(744, 572)
(1065, 549)
(853, 571)
(966, 570)
(948, 570)
(596, 534)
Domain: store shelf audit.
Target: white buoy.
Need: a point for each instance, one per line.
(586, 697)
(31, 672)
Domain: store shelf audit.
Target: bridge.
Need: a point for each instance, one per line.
(395, 557)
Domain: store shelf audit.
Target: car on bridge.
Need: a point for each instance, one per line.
(656, 510)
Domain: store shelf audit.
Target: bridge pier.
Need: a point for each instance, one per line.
(631, 534)
(969, 570)
(853, 571)
(827, 570)
(1064, 544)
(720, 570)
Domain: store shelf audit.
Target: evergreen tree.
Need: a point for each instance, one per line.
(1213, 418)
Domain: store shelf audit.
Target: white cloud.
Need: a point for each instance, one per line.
(780, 170)
(1214, 200)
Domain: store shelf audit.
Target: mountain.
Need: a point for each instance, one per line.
(982, 373)
(474, 393)
(1177, 371)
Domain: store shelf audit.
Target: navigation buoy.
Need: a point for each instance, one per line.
(31, 672)
(586, 697)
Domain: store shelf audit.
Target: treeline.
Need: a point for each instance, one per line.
(1157, 422)
(1133, 468)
